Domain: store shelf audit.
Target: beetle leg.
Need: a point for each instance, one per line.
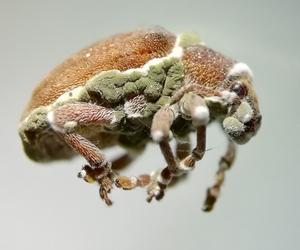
(99, 169)
(64, 119)
(160, 131)
(225, 164)
(183, 147)
(125, 182)
(193, 107)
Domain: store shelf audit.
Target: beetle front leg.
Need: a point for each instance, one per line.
(225, 164)
(194, 107)
(64, 120)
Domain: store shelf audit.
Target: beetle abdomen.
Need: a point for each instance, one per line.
(119, 52)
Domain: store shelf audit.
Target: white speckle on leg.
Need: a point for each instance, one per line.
(157, 135)
(201, 115)
(82, 174)
(162, 180)
(70, 125)
(184, 167)
(51, 121)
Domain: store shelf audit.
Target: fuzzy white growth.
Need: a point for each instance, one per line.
(201, 115)
(130, 110)
(135, 106)
(113, 119)
(157, 135)
(176, 52)
(134, 180)
(70, 125)
(74, 94)
(82, 174)
(51, 121)
(244, 112)
(162, 180)
(246, 118)
(228, 96)
(184, 167)
(240, 69)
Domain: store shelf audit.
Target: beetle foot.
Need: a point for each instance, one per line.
(156, 190)
(103, 176)
(106, 184)
(87, 174)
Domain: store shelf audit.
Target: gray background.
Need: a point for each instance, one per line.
(47, 207)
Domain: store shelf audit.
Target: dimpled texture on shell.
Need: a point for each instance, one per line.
(206, 66)
(119, 52)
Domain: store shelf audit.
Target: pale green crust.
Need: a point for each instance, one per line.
(114, 87)
(40, 144)
(188, 39)
(111, 89)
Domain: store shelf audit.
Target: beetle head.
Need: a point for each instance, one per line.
(243, 119)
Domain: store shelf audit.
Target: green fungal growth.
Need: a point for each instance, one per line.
(174, 79)
(114, 87)
(35, 131)
(153, 90)
(188, 39)
(35, 123)
(130, 89)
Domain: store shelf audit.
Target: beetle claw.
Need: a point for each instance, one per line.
(106, 184)
(156, 190)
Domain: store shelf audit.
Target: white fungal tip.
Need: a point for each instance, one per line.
(113, 119)
(228, 96)
(246, 118)
(201, 115)
(157, 135)
(184, 167)
(82, 174)
(50, 117)
(240, 69)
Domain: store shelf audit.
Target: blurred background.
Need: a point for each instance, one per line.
(47, 207)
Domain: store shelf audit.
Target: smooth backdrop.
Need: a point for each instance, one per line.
(46, 207)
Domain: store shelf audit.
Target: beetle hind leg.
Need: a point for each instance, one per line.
(64, 119)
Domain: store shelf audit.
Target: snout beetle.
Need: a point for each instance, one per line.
(135, 87)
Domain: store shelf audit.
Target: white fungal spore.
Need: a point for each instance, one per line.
(201, 115)
(157, 135)
(240, 69)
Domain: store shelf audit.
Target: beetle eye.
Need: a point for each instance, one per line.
(240, 89)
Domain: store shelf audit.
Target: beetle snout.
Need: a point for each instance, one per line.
(243, 124)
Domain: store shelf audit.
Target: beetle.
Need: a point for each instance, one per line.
(134, 87)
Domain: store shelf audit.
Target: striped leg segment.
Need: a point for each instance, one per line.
(192, 107)
(183, 148)
(160, 131)
(98, 169)
(129, 182)
(225, 164)
(64, 120)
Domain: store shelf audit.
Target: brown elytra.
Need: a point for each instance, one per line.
(121, 52)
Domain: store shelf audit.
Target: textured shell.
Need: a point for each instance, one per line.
(120, 52)
(195, 64)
